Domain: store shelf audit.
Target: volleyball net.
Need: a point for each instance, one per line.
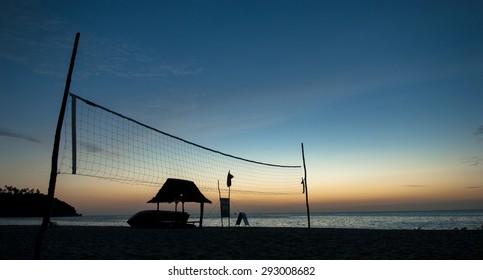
(98, 142)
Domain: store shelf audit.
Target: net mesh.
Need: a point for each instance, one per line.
(104, 144)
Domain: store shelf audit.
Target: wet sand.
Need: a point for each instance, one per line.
(114, 243)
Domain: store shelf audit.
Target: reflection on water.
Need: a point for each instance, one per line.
(370, 220)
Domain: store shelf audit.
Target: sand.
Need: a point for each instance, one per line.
(113, 243)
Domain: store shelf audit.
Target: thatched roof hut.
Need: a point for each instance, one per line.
(178, 190)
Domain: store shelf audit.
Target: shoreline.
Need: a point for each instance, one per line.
(239, 243)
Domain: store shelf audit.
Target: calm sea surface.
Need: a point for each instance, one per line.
(470, 219)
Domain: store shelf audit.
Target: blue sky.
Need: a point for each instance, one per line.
(383, 94)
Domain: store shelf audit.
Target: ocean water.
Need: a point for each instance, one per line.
(424, 220)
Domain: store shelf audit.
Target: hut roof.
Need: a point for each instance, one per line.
(174, 190)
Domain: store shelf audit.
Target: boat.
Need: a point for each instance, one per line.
(173, 190)
(159, 219)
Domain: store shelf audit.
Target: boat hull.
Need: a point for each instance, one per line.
(159, 219)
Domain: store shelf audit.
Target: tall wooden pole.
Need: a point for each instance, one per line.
(221, 207)
(55, 156)
(305, 187)
(229, 209)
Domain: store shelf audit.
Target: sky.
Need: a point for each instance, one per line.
(386, 96)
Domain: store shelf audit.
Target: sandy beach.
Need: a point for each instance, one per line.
(113, 243)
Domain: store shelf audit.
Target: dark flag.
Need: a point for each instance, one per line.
(228, 179)
(303, 185)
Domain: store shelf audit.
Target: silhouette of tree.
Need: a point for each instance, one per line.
(25, 202)
(15, 191)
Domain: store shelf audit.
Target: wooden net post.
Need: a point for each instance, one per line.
(55, 156)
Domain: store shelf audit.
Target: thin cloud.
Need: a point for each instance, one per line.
(473, 161)
(126, 59)
(474, 188)
(33, 38)
(413, 186)
(42, 40)
(96, 149)
(92, 148)
(10, 133)
(479, 130)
